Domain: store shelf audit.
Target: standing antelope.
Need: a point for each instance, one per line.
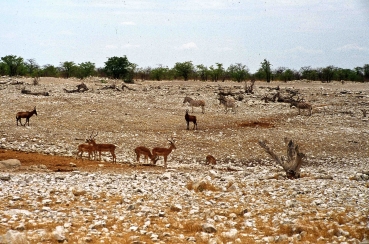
(146, 153)
(160, 151)
(26, 115)
(190, 118)
(86, 148)
(301, 105)
(102, 148)
(210, 160)
(227, 103)
(195, 103)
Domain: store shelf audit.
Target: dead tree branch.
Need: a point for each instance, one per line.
(80, 88)
(293, 162)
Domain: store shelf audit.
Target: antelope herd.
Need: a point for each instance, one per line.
(93, 149)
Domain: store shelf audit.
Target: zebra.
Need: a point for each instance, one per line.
(227, 103)
(301, 105)
(195, 103)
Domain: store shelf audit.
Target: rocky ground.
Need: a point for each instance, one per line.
(49, 196)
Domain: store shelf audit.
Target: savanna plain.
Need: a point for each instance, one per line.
(53, 196)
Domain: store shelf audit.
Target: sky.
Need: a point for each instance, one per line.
(288, 33)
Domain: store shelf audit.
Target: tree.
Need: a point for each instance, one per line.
(13, 64)
(118, 67)
(183, 69)
(85, 69)
(366, 71)
(202, 72)
(159, 73)
(217, 73)
(49, 70)
(238, 72)
(32, 67)
(265, 66)
(328, 73)
(68, 69)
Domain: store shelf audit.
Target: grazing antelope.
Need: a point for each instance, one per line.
(301, 105)
(160, 151)
(146, 153)
(227, 103)
(190, 118)
(26, 115)
(210, 160)
(195, 103)
(86, 148)
(102, 148)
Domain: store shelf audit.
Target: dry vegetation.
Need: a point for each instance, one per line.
(334, 137)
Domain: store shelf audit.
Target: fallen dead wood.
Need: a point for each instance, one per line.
(80, 88)
(293, 163)
(24, 91)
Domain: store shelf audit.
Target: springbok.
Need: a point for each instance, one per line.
(190, 118)
(227, 103)
(146, 153)
(195, 103)
(161, 151)
(102, 147)
(26, 115)
(301, 105)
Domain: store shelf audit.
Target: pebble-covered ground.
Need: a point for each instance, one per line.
(49, 196)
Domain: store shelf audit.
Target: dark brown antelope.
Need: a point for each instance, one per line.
(102, 147)
(86, 148)
(195, 103)
(190, 118)
(210, 160)
(162, 151)
(25, 115)
(146, 153)
(301, 105)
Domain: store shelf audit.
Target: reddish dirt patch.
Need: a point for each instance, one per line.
(254, 124)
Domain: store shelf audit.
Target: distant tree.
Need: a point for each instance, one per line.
(68, 68)
(13, 65)
(184, 69)
(266, 67)
(33, 69)
(328, 73)
(238, 72)
(118, 67)
(3, 68)
(85, 69)
(217, 73)
(143, 73)
(366, 71)
(202, 72)
(49, 70)
(159, 73)
(307, 73)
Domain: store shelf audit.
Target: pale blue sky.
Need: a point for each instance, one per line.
(288, 33)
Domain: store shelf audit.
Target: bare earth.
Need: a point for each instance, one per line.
(245, 197)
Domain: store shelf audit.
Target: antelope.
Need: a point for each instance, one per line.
(190, 118)
(102, 148)
(195, 103)
(26, 115)
(86, 148)
(210, 160)
(227, 103)
(160, 151)
(301, 105)
(147, 154)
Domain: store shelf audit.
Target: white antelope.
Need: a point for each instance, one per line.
(162, 151)
(195, 103)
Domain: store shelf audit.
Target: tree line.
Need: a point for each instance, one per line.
(121, 68)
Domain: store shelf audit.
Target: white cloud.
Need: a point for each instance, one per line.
(352, 47)
(128, 23)
(188, 46)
